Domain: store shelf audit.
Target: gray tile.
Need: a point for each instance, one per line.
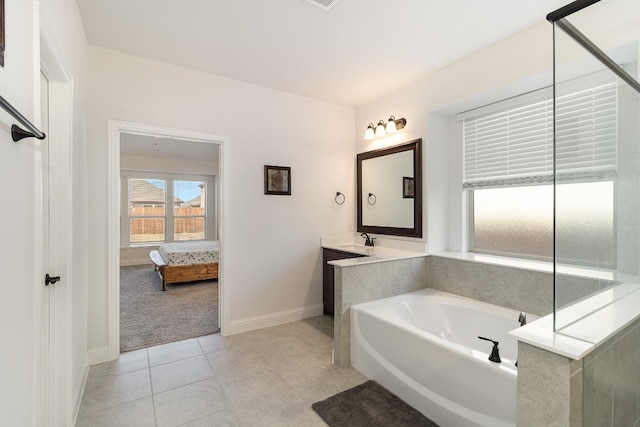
(404, 276)
(284, 409)
(137, 413)
(189, 403)
(232, 359)
(529, 291)
(570, 289)
(126, 362)
(211, 343)
(454, 276)
(243, 386)
(176, 374)
(266, 377)
(542, 383)
(171, 352)
(597, 398)
(360, 284)
(225, 418)
(113, 390)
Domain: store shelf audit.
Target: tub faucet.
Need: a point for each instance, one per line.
(522, 319)
(495, 354)
(368, 240)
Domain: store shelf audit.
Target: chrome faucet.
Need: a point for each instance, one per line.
(522, 319)
(368, 240)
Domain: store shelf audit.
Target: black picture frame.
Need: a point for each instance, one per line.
(277, 180)
(408, 188)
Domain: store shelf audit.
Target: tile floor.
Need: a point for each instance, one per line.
(268, 377)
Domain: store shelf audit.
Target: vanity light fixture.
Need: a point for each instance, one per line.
(382, 129)
(395, 124)
(369, 133)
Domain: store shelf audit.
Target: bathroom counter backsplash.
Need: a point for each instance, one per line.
(384, 250)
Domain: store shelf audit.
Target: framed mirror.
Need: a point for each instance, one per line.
(390, 190)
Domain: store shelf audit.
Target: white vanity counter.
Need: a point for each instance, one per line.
(384, 250)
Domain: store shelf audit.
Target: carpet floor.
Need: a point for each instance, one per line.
(369, 405)
(151, 317)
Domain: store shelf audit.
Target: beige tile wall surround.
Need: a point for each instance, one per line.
(612, 381)
(549, 388)
(601, 390)
(520, 289)
(369, 282)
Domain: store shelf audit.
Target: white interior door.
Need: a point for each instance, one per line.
(56, 278)
(45, 359)
(58, 399)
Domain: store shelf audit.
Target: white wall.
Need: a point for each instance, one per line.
(19, 269)
(517, 64)
(274, 263)
(18, 303)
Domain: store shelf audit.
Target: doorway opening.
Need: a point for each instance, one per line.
(168, 189)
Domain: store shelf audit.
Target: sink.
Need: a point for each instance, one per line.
(358, 249)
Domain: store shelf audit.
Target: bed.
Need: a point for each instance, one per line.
(180, 262)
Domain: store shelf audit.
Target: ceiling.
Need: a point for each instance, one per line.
(351, 54)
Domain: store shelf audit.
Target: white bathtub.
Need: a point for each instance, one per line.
(424, 347)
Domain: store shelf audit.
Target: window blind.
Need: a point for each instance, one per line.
(510, 143)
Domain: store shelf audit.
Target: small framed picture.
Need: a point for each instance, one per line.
(277, 180)
(408, 191)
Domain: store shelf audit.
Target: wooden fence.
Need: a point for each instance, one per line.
(145, 226)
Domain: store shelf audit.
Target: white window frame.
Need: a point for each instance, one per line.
(204, 216)
(598, 167)
(169, 178)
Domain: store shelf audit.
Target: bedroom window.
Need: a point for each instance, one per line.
(147, 200)
(164, 207)
(189, 217)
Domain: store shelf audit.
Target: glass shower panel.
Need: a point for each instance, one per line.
(597, 161)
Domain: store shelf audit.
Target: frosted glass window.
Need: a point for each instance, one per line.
(514, 220)
(518, 221)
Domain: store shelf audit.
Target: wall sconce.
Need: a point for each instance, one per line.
(382, 129)
(369, 133)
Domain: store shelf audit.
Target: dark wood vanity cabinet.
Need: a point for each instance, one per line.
(327, 276)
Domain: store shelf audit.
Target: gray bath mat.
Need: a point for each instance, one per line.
(369, 405)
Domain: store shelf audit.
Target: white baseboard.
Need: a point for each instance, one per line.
(78, 398)
(273, 319)
(98, 355)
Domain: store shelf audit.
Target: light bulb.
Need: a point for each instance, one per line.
(368, 134)
(391, 125)
(380, 131)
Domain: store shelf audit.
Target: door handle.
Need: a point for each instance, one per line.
(50, 280)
